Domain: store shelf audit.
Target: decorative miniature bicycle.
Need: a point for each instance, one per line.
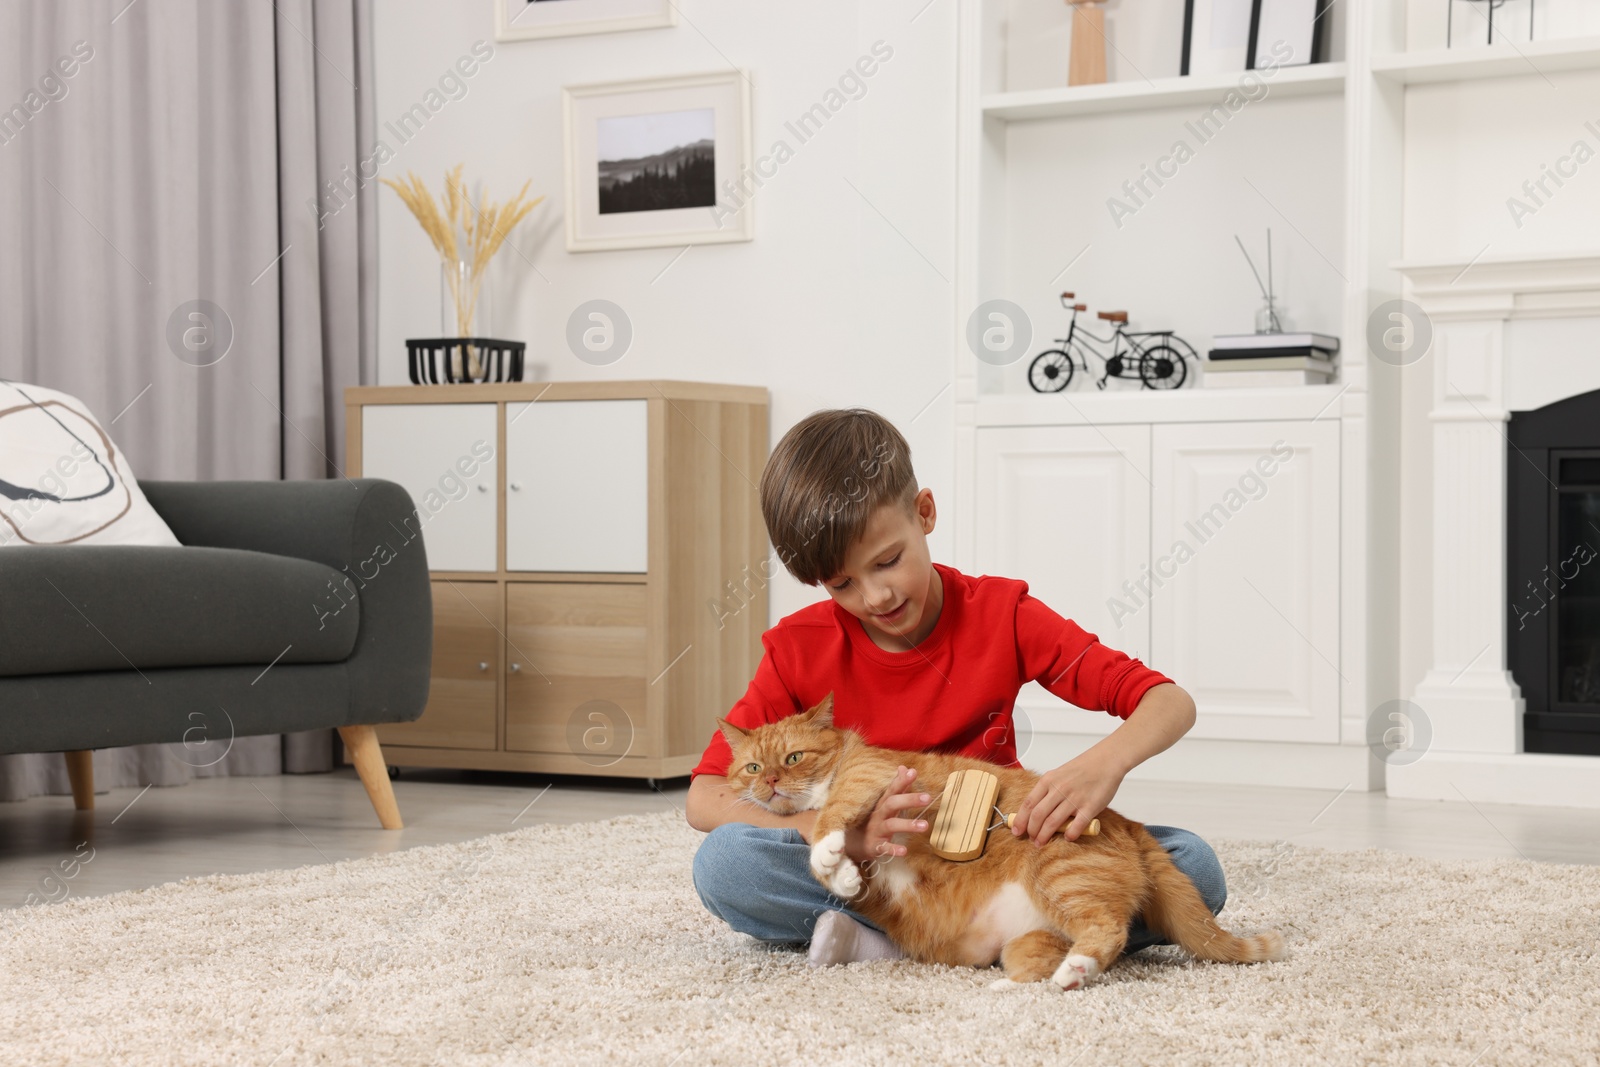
(1152, 357)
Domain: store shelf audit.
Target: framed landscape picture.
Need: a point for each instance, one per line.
(657, 162)
(524, 20)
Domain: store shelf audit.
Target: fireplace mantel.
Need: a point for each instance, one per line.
(1496, 288)
(1468, 695)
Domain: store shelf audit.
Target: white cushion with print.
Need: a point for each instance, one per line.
(63, 481)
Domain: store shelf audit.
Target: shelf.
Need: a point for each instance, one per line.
(1489, 61)
(1074, 408)
(1311, 80)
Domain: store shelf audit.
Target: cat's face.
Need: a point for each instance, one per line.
(788, 765)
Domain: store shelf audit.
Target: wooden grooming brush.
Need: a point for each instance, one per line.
(967, 814)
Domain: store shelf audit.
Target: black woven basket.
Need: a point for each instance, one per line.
(430, 360)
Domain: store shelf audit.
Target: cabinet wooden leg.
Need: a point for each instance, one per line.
(80, 770)
(362, 741)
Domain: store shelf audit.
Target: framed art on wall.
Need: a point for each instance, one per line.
(526, 20)
(658, 162)
(1286, 33)
(1216, 36)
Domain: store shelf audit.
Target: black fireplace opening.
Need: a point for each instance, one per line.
(1553, 572)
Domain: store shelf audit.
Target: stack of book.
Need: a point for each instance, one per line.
(1256, 359)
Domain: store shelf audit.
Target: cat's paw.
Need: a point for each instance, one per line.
(1075, 972)
(846, 881)
(833, 868)
(1006, 983)
(826, 855)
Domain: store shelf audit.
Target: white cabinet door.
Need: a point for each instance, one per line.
(1245, 532)
(444, 456)
(1067, 509)
(578, 486)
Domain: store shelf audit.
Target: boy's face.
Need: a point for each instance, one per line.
(888, 582)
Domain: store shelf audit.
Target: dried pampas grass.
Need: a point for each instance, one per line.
(466, 235)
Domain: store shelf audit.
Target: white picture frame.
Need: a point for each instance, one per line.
(528, 20)
(615, 132)
(1295, 25)
(1216, 36)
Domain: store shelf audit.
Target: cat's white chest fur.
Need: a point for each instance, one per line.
(896, 875)
(1009, 913)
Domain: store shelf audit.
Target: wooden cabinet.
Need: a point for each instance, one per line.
(578, 660)
(577, 483)
(462, 692)
(584, 538)
(445, 456)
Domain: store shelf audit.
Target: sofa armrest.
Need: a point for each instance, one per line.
(367, 528)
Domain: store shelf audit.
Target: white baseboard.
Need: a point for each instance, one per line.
(1282, 763)
(1500, 778)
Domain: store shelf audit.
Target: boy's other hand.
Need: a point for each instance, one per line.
(875, 840)
(1071, 796)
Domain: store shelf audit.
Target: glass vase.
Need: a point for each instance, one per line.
(1269, 318)
(463, 312)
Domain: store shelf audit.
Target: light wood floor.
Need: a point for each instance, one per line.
(236, 825)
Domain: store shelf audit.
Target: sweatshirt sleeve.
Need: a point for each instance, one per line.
(1071, 663)
(768, 699)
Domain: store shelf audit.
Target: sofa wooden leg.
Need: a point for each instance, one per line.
(362, 741)
(80, 770)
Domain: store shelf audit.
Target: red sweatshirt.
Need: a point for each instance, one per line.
(953, 692)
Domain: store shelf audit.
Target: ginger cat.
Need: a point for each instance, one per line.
(1059, 912)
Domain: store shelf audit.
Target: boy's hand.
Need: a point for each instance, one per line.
(875, 840)
(1078, 790)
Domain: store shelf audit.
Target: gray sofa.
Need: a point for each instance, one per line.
(291, 606)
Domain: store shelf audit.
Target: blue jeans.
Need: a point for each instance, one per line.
(758, 880)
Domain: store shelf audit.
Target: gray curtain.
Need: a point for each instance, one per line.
(162, 152)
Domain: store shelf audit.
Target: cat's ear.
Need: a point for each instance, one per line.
(733, 733)
(822, 713)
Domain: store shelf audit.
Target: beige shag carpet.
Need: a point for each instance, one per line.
(586, 944)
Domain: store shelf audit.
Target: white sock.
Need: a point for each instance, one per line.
(837, 938)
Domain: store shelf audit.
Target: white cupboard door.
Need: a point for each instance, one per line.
(578, 486)
(1245, 532)
(444, 456)
(1067, 509)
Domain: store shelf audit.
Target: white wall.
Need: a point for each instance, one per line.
(1471, 146)
(844, 297)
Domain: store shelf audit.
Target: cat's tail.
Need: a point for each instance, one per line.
(1176, 910)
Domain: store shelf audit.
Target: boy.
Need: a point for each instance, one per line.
(918, 656)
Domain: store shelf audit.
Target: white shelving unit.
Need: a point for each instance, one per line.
(1488, 61)
(1156, 93)
(1310, 402)
(1318, 155)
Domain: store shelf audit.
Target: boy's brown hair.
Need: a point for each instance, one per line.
(827, 476)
